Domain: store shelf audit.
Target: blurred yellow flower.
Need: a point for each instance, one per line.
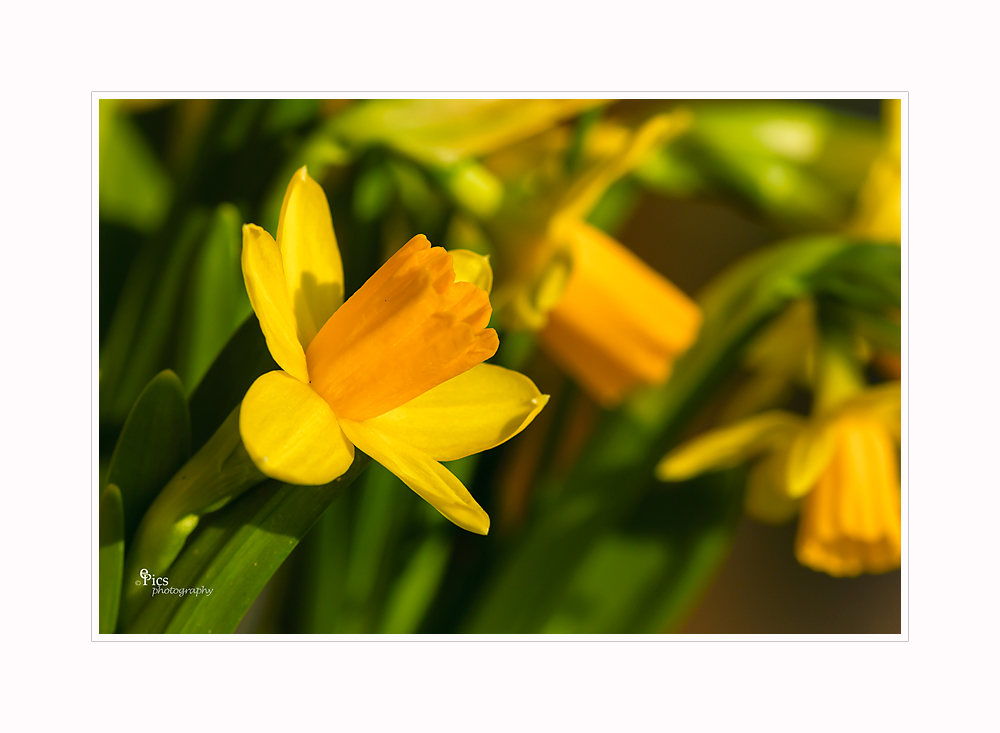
(839, 465)
(879, 211)
(603, 315)
(850, 521)
(618, 323)
(396, 370)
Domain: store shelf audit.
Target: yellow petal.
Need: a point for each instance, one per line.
(808, 456)
(291, 433)
(471, 267)
(264, 276)
(470, 413)
(729, 446)
(429, 479)
(313, 270)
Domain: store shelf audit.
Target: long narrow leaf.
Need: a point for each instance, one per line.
(234, 554)
(111, 558)
(154, 443)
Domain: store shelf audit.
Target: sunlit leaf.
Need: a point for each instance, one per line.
(111, 557)
(235, 552)
(134, 187)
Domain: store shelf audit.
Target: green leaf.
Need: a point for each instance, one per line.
(111, 558)
(235, 552)
(373, 191)
(287, 114)
(146, 318)
(796, 162)
(415, 587)
(217, 302)
(643, 576)
(440, 133)
(134, 188)
(219, 472)
(356, 554)
(319, 153)
(867, 277)
(153, 444)
(473, 187)
(375, 526)
(244, 358)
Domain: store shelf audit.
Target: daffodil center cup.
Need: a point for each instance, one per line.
(408, 329)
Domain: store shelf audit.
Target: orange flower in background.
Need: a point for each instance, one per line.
(608, 319)
(619, 324)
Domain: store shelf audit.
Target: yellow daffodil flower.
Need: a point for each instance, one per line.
(618, 323)
(395, 371)
(879, 211)
(603, 315)
(838, 469)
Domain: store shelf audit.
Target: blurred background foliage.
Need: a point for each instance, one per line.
(746, 209)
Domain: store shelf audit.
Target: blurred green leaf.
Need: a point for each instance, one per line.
(422, 201)
(287, 114)
(884, 333)
(134, 188)
(643, 577)
(217, 301)
(616, 206)
(153, 444)
(358, 551)
(473, 187)
(325, 555)
(442, 132)
(794, 161)
(145, 320)
(373, 191)
(415, 587)
(111, 558)
(319, 153)
(235, 552)
(375, 529)
(245, 116)
(867, 278)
